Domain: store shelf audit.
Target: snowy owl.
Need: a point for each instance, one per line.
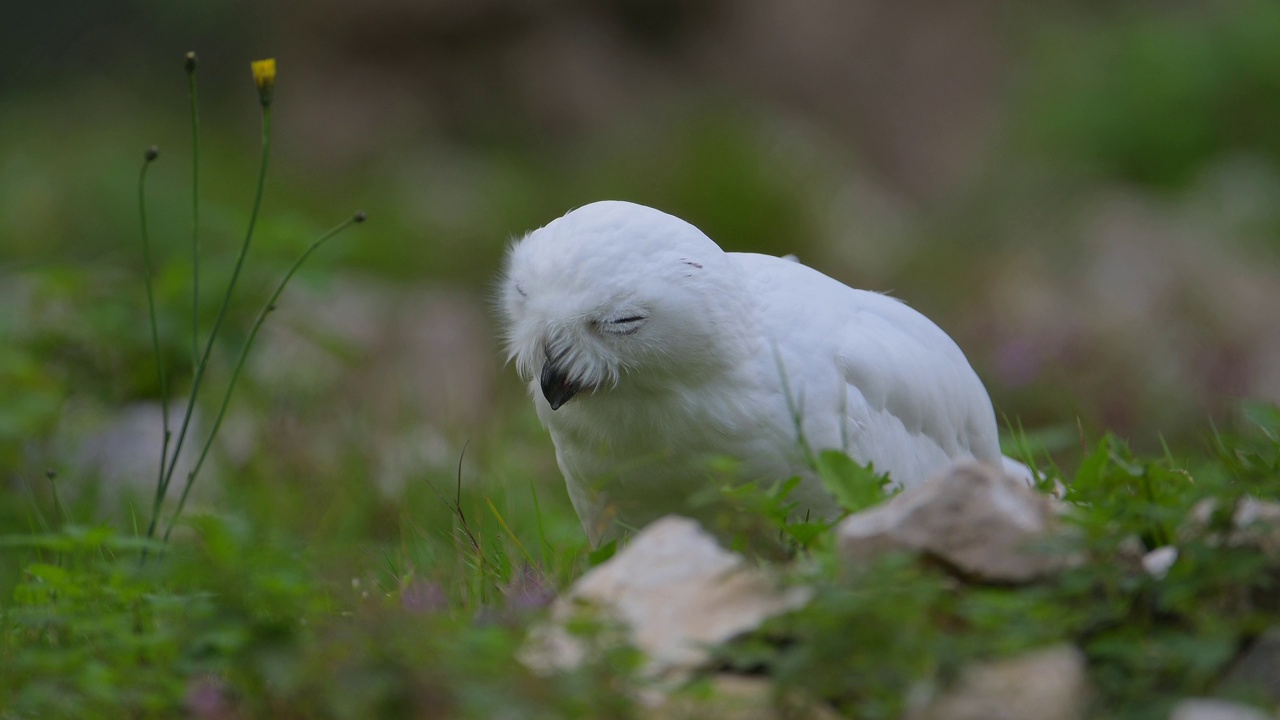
(650, 352)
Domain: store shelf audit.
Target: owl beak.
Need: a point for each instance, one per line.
(557, 388)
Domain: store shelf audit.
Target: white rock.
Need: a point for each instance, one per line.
(404, 371)
(1257, 670)
(1254, 522)
(1213, 709)
(974, 517)
(675, 591)
(737, 697)
(1158, 561)
(119, 448)
(1047, 684)
(1247, 512)
(402, 351)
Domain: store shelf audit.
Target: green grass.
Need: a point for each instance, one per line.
(349, 607)
(321, 598)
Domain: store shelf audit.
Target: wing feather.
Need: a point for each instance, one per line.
(878, 379)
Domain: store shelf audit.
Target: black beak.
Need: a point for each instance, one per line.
(557, 388)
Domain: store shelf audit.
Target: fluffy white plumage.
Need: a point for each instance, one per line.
(650, 352)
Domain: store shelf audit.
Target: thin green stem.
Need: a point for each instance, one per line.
(155, 329)
(244, 353)
(217, 322)
(195, 214)
(59, 514)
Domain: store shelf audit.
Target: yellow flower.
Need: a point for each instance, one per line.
(264, 76)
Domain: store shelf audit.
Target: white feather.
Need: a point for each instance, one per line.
(738, 355)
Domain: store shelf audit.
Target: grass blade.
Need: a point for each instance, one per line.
(244, 353)
(149, 157)
(195, 209)
(217, 322)
(502, 522)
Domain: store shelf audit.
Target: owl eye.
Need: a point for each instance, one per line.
(626, 325)
(521, 291)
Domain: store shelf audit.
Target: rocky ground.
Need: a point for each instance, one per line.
(675, 595)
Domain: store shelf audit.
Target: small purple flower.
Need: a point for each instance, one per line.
(423, 596)
(206, 697)
(528, 590)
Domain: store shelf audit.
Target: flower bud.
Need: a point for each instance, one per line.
(264, 76)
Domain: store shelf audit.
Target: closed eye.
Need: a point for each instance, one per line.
(627, 325)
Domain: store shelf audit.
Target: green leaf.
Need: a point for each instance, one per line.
(602, 553)
(51, 574)
(805, 533)
(856, 487)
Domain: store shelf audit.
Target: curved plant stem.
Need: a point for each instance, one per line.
(195, 217)
(244, 353)
(155, 328)
(217, 323)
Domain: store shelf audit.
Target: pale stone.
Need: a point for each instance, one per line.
(1048, 684)
(1258, 669)
(737, 697)
(975, 518)
(403, 371)
(1213, 709)
(119, 449)
(1158, 561)
(674, 591)
(1254, 522)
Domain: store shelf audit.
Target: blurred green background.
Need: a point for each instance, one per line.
(1086, 195)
